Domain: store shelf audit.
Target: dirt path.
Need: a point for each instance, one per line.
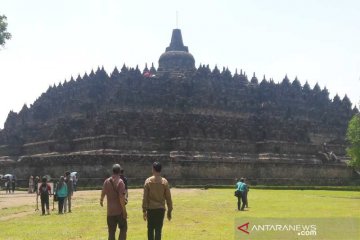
(17, 199)
(23, 198)
(28, 201)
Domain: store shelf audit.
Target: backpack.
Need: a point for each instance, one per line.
(44, 190)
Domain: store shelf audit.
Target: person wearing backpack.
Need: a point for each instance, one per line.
(114, 190)
(44, 192)
(242, 187)
(238, 193)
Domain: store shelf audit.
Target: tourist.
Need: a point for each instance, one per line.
(75, 181)
(36, 190)
(69, 183)
(238, 193)
(247, 195)
(114, 190)
(31, 184)
(7, 185)
(44, 192)
(61, 193)
(125, 180)
(156, 192)
(242, 187)
(13, 184)
(36, 187)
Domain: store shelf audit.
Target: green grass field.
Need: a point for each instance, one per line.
(198, 214)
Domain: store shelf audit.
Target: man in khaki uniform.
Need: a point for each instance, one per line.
(156, 192)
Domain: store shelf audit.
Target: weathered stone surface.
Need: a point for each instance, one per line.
(187, 168)
(206, 114)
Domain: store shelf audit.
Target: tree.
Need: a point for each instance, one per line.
(4, 35)
(353, 135)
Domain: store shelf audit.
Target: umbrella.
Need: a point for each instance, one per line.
(8, 175)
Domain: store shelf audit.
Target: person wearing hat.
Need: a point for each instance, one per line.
(114, 190)
(44, 192)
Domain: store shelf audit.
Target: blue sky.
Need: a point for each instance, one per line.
(315, 40)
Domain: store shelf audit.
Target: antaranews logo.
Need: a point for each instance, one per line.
(296, 228)
(244, 227)
(300, 229)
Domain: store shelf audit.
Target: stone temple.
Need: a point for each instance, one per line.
(206, 126)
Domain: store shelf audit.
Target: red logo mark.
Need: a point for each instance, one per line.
(244, 228)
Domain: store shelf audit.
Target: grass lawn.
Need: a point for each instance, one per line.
(198, 214)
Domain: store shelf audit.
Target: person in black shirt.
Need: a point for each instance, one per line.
(13, 184)
(44, 192)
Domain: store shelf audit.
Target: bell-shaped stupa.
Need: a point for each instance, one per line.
(176, 57)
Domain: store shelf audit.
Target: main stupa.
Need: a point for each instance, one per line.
(177, 56)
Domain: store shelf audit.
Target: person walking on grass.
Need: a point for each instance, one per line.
(61, 193)
(125, 180)
(44, 192)
(13, 184)
(7, 185)
(156, 192)
(69, 183)
(36, 187)
(31, 184)
(242, 188)
(75, 180)
(238, 193)
(247, 194)
(114, 190)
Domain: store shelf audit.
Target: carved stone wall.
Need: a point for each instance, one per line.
(207, 114)
(185, 169)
